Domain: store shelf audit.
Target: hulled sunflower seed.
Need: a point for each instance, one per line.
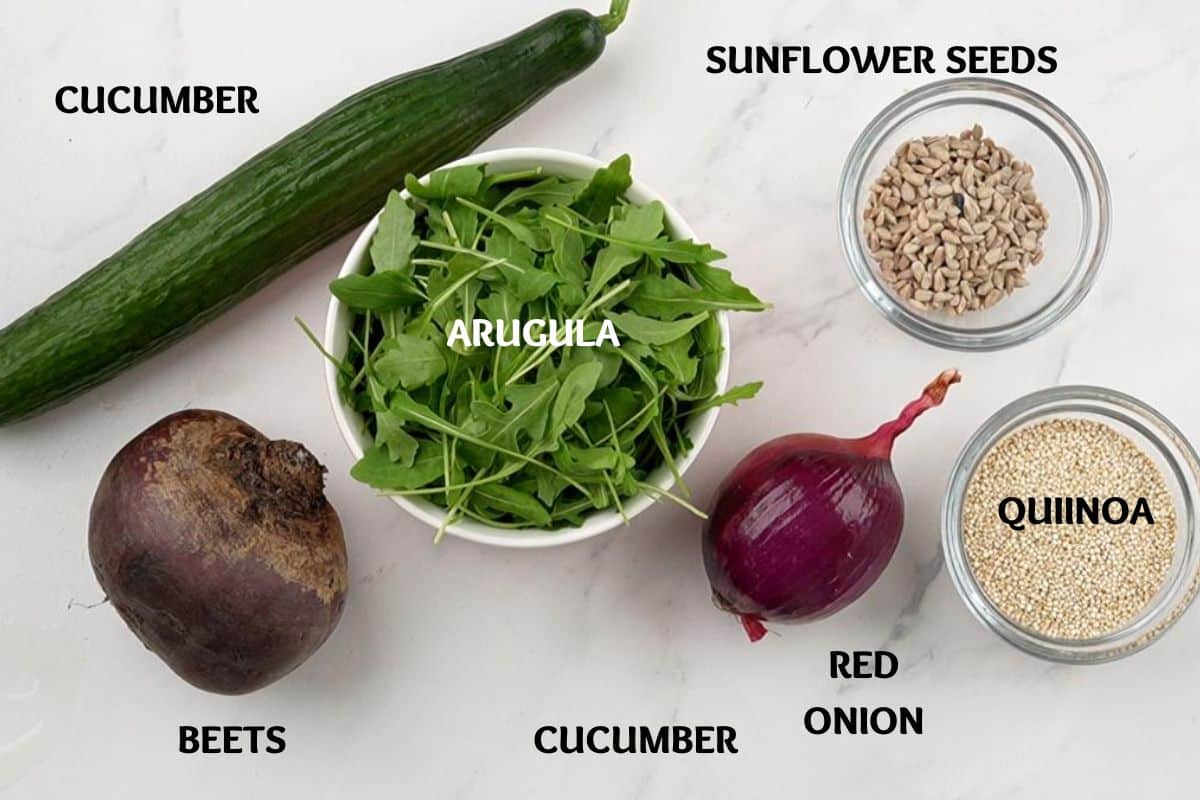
(954, 222)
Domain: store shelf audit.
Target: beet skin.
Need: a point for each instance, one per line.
(218, 548)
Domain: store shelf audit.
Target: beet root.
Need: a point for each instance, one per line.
(217, 547)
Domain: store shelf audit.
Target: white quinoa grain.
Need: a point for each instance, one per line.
(1066, 581)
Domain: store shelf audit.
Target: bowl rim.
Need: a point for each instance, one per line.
(349, 422)
(1182, 472)
(1076, 148)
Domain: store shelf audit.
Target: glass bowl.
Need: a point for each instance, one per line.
(1069, 180)
(1180, 468)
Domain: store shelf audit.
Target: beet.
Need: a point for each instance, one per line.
(218, 548)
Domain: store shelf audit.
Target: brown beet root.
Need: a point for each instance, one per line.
(218, 548)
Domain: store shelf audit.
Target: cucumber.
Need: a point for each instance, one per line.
(287, 202)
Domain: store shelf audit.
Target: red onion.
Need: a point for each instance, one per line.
(805, 523)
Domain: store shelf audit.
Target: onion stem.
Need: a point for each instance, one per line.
(879, 443)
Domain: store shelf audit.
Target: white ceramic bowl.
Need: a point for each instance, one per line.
(350, 422)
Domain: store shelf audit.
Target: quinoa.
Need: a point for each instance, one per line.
(1068, 581)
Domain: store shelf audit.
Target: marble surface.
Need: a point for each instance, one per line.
(449, 657)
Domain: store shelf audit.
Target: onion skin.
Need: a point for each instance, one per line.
(789, 550)
(806, 523)
(218, 548)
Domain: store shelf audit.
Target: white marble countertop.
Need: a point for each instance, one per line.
(449, 657)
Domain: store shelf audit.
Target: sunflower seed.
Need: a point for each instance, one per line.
(954, 222)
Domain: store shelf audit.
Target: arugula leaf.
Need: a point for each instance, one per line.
(579, 383)
(501, 304)
(605, 188)
(609, 263)
(394, 240)
(377, 469)
(664, 448)
(549, 488)
(585, 459)
(377, 394)
(529, 414)
(382, 291)
(718, 283)
(674, 357)
(464, 224)
(667, 297)
(622, 403)
(517, 256)
(531, 403)
(410, 409)
(532, 284)
(522, 232)
(640, 223)
(444, 184)
(526, 281)
(567, 255)
(678, 252)
(653, 331)
(744, 392)
(610, 363)
(682, 252)
(551, 191)
(514, 502)
(408, 361)
(628, 354)
(390, 433)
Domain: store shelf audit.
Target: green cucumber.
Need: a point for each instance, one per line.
(287, 202)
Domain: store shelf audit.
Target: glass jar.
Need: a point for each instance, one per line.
(1069, 179)
(1180, 468)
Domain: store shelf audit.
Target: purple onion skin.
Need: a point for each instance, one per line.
(806, 523)
(802, 526)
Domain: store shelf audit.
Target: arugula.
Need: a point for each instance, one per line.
(529, 413)
(744, 392)
(383, 291)
(606, 187)
(654, 331)
(407, 361)
(446, 184)
(516, 503)
(521, 436)
(395, 239)
(675, 358)
(668, 297)
(390, 433)
(376, 468)
(572, 396)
